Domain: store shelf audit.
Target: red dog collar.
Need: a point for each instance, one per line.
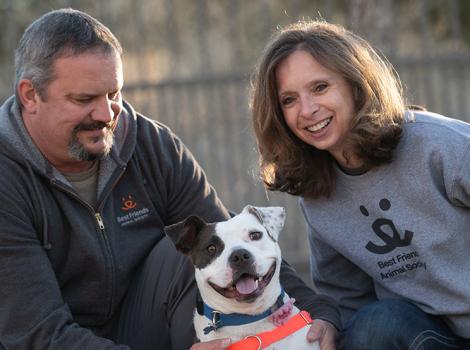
(263, 340)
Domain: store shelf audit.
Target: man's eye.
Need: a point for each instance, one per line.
(115, 95)
(83, 100)
(211, 249)
(255, 235)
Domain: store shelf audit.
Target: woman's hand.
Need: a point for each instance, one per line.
(218, 344)
(323, 332)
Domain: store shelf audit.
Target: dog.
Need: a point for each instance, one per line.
(237, 264)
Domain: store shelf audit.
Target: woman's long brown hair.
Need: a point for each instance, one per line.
(288, 164)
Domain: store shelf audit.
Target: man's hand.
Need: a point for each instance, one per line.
(323, 332)
(218, 344)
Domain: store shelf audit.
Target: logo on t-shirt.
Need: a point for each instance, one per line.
(380, 226)
(401, 262)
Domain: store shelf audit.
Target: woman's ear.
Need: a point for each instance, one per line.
(28, 95)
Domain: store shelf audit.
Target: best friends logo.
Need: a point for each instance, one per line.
(128, 203)
(391, 239)
(133, 212)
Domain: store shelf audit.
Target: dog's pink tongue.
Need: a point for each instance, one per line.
(246, 285)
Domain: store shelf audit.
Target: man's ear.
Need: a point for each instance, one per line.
(272, 218)
(28, 95)
(184, 234)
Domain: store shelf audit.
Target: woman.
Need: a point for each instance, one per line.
(385, 191)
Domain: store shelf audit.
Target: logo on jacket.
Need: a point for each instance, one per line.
(133, 212)
(128, 203)
(380, 225)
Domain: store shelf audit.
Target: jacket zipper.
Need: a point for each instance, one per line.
(85, 204)
(100, 223)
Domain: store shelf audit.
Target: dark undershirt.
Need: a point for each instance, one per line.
(353, 171)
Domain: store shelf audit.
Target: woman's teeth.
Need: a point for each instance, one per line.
(320, 125)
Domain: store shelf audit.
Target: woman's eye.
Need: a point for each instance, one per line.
(255, 235)
(287, 100)
(320, 87)
(211, 249)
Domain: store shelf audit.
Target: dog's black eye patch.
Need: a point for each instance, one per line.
(208, 247)
(255, 235)
(211, 249)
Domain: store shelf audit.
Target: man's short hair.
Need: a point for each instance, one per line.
(56, 34)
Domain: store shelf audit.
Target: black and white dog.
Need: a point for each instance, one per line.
(237, 264)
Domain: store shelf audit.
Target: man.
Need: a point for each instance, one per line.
(87, 186)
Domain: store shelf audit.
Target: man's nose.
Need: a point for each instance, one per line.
(106, 110)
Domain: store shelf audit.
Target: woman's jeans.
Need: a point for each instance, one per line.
(397, 325)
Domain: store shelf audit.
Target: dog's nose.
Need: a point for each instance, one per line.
(241, 257)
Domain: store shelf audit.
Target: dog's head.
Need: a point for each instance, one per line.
(237, 261)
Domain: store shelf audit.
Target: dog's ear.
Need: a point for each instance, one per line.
(272, 218)
(184, 234)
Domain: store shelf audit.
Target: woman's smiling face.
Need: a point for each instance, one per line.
(317, 103)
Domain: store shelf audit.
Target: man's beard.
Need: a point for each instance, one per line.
(78, 151)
